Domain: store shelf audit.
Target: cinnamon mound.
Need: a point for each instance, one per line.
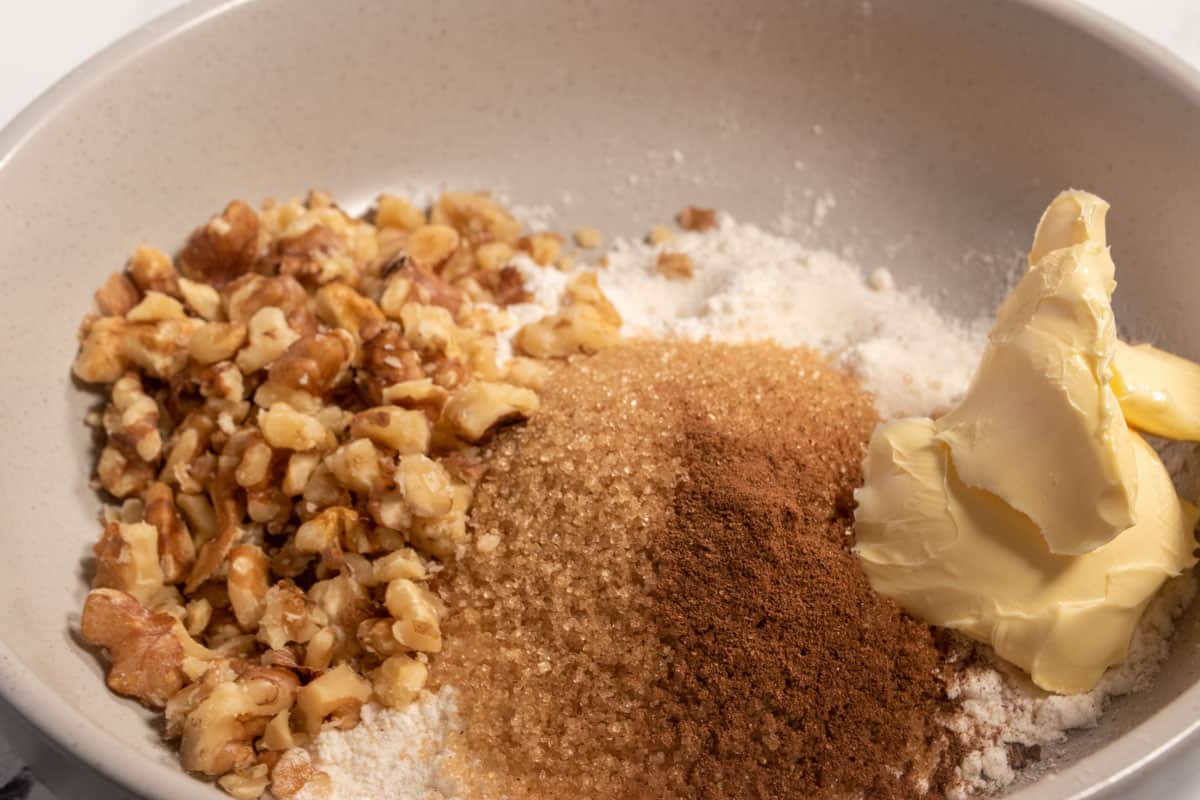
(672, 611)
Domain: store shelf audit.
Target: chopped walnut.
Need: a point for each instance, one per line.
(396, 212)
(399, 680)
(249, 294)
(403, 563)
(247, 584)
(217, 734)
(319, 651)
(290, 425)
(585, 290)
(152, 271)
(404, 430)
(246, 784)
(345, 601)
(300, 468)
(357, 466)
(201, 298)
(326, 531)
(430, 330)
(294, 771)
(477, 409)
(527, 372)
(216, 341)
(505, 285)
(132, 419)
(574, 330)
(425, 486)
(176, 549)
(278, 733)
(543, 248)
(675, 265)
(284, 427)
(286, 616)
(417, 614)
(387, 359)
(493, 255)
(315, 255)
(589, 238)
(431, 244)
(224, 249)
(375, 636)
(316, 364)
(339, 693)
(197, 616)
(127, 559)
(695, 218)
(117, 295)
(146, 654)
(268, 337)
(339, 306)
(420, 394)
(112, 345)
(411, 283)
(477, 217)
(660, 234)
(444, 537)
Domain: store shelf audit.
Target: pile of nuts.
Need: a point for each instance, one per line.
(294, 408)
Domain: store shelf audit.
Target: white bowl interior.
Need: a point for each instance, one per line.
(941, 129)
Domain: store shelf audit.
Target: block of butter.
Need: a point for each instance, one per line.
(1031, 517)
(963, 559)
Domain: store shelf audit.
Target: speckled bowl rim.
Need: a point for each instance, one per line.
(79, 737)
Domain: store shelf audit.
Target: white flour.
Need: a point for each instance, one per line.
(749, 284)
(1002, 705)
(391, 755)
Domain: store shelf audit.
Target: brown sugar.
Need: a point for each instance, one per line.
(672, 611)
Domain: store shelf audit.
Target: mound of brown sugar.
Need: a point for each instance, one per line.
(671, 610)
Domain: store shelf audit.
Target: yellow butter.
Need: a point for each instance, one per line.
(1159, 392)
(1040, 426)
(961, 558)
(1031, 517)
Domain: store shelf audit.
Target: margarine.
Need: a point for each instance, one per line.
(961, 558)
(1031, 517)
(1159, 392)
(1040, 426)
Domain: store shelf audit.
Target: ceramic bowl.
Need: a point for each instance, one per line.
(939, 128)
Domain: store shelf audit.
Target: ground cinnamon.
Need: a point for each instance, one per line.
(790, 677)
(672, 611)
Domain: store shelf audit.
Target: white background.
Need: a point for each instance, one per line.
(42, 40)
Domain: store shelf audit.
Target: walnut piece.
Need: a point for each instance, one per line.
(417, 613)
(127, 559)
(117, 295)
(223, 249)
(339, 693)
(477, 217)
(247, 584)
(695, 218)
(398, 681)
(146, 654)
(675, 265)
(217, 734)
(476, 410)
